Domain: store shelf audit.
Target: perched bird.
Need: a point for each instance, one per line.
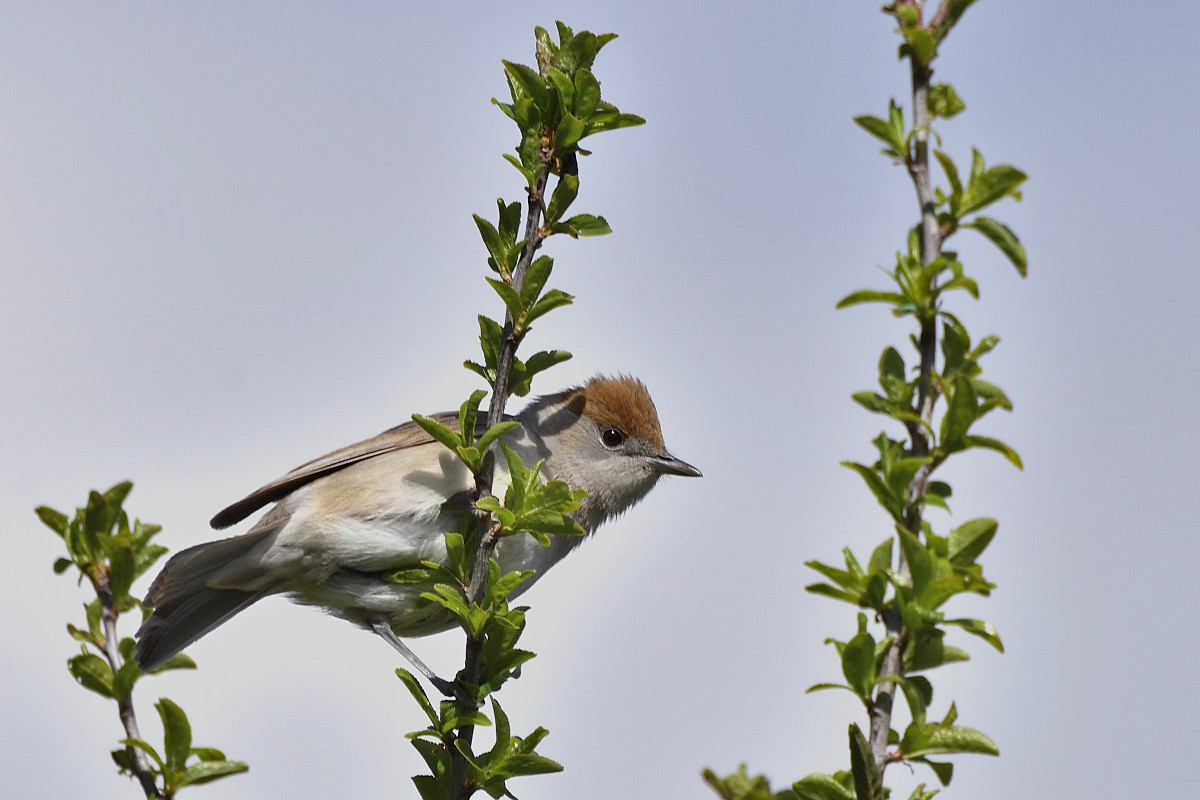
(344, 522)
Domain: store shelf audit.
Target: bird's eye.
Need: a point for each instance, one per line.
(612, 437)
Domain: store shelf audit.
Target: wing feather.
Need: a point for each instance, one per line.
(402, 436)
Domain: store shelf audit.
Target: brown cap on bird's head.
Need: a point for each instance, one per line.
(621, 402)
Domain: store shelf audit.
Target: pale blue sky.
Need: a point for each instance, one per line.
(236, 236)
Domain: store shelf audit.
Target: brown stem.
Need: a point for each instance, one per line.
(142, 769)
(485, 539)
(931, 245)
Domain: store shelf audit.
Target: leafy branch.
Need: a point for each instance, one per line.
(103, 548)
(912, 574)
(555, 107)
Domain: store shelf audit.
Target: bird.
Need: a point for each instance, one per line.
(342, 523)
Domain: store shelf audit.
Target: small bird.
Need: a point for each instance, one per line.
(344, 522)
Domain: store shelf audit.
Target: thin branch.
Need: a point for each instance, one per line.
(931, 245)
(485, 539)
(142, 768)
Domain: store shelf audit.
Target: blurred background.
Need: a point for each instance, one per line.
(236, 236)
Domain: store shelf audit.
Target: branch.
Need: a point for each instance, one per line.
(931, 246)
(485, 539)
(142, 768)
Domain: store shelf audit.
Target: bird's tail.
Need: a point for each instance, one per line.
(186, 606)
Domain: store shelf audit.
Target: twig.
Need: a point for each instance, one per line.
(931, 245)
(485, 539)
(142, 768)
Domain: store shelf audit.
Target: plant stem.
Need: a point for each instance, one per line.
(931, 245)
(142, 768)
(485, 539)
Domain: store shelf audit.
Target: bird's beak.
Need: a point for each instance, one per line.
(670, 465)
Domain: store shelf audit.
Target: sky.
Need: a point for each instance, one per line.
(237, 236)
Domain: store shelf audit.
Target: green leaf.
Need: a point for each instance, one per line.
(1002, 236)
(567, 135)
(582, 225)
(858, 665)
(493, 242)
(177, 661)
(954, 10)
(535, 279)
(969, 540)
(952, 178)
(438, 431)
(920, 563)
(881, 557)
(944, 102)
(847, 580)
(919, 44)
(524, 82)
(121, 569)
(207, 771)
(821, 787)
(948, 739)
(550, 301)
(943, 769)
(177, 734)
(61, 565)
(587, 94)
(826, 590)
(871, 296)
(92, 672)
(887, 131)
(867, 785)
(988, 443)
(54, 520)
(986, 186)
(977, 627)
(564, 194)
(495, 432)
(961, 412)
(930, 651)
(145, 747)
(512, 300)
(123, 681)
(882, 493)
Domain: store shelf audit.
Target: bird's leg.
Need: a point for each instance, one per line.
(382, 626)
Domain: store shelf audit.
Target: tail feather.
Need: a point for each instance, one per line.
(186, 606)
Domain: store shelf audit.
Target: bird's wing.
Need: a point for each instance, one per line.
(407, 435)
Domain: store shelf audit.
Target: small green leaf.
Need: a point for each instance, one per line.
(883, 130)
(821, 787)
(986, 186)
(988, 443)
(871, 296)
(977, 627)
(968, 541)
(876, 484)
(207, 771)
(92, 672)
(177, 733)
(562, 198)
(858, 665)
(919, 44)
(54, 520)
(512, 300)
(438, 431)
(867, 785)
(944, 102)
(1003, 237)
(948, 739)
(123, 681)
(535, 279)
(418, 692)
(583, 225)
